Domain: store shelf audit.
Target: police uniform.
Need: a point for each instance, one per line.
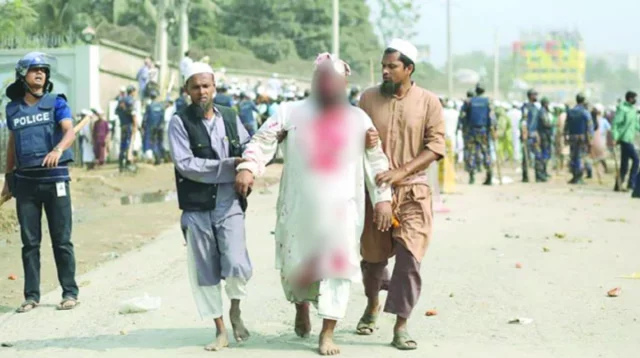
(530, 118)
(579, 130)
(545, 135)
(153, 125)
(478, 113)
(126, 112)
(37, 132)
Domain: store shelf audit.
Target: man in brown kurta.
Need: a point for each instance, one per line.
(411, 127)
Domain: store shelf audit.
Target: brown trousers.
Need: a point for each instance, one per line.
(403, 287)
(408, 243)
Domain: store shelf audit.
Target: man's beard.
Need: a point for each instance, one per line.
(206, 106)
(388, 88)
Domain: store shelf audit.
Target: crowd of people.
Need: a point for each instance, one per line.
(542, 137)
(354, 190)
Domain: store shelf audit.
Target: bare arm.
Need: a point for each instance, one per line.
(69, 134)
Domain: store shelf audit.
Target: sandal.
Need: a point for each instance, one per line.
(67, 304)
(403, 341)
(367, 324)
(27, 306)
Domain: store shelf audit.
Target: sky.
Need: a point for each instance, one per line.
(610, 26)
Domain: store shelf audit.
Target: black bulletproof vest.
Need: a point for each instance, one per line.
(192, 195)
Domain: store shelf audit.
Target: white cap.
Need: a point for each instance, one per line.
(197, 68)
(405, 48)
(85, 112)
(123, 89)
(98, 110)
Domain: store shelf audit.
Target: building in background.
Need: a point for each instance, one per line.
(553, 62)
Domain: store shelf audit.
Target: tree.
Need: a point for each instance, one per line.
(396, 19)
(16, 17)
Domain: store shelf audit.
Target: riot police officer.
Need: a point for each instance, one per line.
(578, 131)
(181, 101)
(153, 126)
(478, 113)
(128, 125)
(545, 135)
(38, 175)
(530, 138)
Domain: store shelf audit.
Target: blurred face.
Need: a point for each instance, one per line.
(36, 78)
(329, 85)
(394, 73)
(632, 100)
(201, 88)
(533, 97)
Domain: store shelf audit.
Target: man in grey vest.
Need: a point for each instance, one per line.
(206, 145)
(37, 174)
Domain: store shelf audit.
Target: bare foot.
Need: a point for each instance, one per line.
(220, 342)
(302, 323)
(240, 332)
(326, 345)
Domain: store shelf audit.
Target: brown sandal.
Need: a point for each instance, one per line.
(27, 306)
(64, 305)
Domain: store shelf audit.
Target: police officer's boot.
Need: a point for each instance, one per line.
(122, 163)
(589, 173)
(545, 172)
(472, 178)
(488, 181)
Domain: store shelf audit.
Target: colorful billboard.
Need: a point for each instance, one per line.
(556, 61)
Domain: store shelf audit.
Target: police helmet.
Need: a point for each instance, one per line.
(130, 89)
(580, 98)
(153, 94)
(470, 93)
(544, 100)
(531, 92)
(30, 61)
(479, 88)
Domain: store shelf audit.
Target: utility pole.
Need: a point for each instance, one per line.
(449, 57)
(496, 65)
(336, 27)
(184, 26)
(163, 46)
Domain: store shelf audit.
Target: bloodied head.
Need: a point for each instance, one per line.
(329, 79)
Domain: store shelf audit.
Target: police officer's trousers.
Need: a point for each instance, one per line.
(31, 198)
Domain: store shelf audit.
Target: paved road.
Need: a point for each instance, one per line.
(469, 277)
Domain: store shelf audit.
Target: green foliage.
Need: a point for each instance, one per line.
(16, 16)
(395, 15)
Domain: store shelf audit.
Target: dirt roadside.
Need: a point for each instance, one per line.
(103, 227)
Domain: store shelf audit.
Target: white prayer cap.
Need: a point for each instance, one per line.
(405, 48)
(97, 110)
(85, 112)
(197, 68)
(123, 89)
(599, 107)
